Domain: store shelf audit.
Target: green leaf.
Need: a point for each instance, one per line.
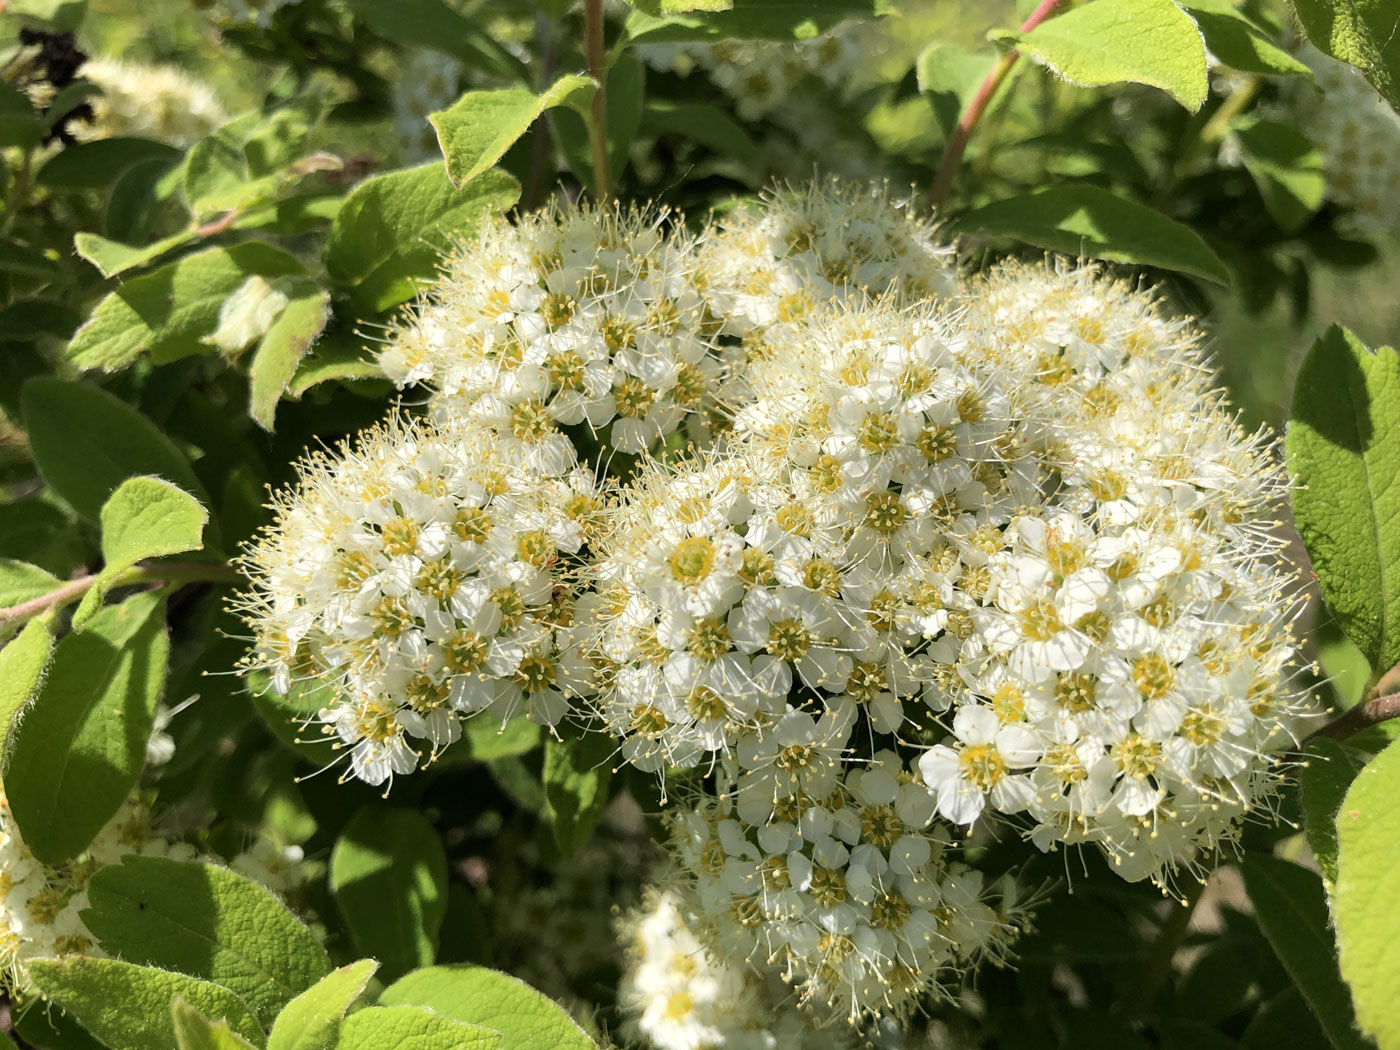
(488, 738)
(438, 27)
(22, 664)
(144, 518)
(1238, 42)
(206, 921)
(1368, 924)
(77, 754)
(332, 361)
(87, 442)
(128, 1006)
(1085, 220)
(167, 313)
(21, 258)
(1361, 32)
(1330, 769)
(27, 319)
(281, 350)
(408, 1028)
(525, 1019)
(389, 877)
(479, 127)
(392, 230)
(312, 1020)
(680, 7)
(576, 777)
(20, 581)
(1151, 42)
(19, 123)
(1286, 167)
(1344, 450)
(95, 165)
(194, 1031)
(113, 257)
(1292, 910)
(951, 75)
(748, 19)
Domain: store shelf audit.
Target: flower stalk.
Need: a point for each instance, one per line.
(598, 120)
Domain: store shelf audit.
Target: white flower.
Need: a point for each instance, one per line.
(980, 768)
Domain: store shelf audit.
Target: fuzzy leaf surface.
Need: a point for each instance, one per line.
(1361, 32)
(409, 1028)
(312, 1020)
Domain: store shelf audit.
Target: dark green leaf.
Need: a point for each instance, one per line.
(1362, 32)
(94, 165)
(700, 122)
(1344, 449)
(1330, 769)
(389, 876)
(749, 19)
(78, 752)
(1287, 169)
(576, 777)
(1085, 220)
(1238, 42)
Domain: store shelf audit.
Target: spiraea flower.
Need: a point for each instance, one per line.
(41, 907)
(848, 887)
(1358, 134)
(153, 102)
(423, 578)
(679, 994)
(587, 317)
(1124, 677)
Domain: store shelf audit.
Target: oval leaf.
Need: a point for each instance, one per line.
(206, 921)
(524, 1017)
(408, 1028)
(1344, 450)
(389, 877)
(1329, 771)
(22, 664)
(1085, 220)
(279, 353)
(79, 751)
(1151, 42)
(126, 1005)
(312, 1020)
(1368, 923)
(576, 777)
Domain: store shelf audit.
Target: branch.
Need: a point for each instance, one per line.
(598, 123)
(1362, 716)
(957, 144)
(174, 572)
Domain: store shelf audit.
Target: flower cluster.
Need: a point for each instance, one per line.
(943, 550)
(41, 907)
(428, 81)
(588, 318)
(679, 994)
(422, 577)
(151, 102)
(1358, 134)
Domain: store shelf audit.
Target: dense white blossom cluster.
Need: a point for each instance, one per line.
(422, 577)
(679, 993)
(163, 103)
(943, 550)
(1358, 134)
(41, 907)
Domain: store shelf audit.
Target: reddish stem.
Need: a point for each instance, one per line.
(957, 144)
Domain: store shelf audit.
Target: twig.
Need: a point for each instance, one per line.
(1353, 720)
(957, 144)
(598, 124)
(174, 572)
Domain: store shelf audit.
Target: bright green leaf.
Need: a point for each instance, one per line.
(78, 752)
(1292, 910)
(680, 7)
(408, 1028)
(1287, 168)
(749, 19)
(1151, 42)
(144, 518)
(489, 738)
(1238, 42)
(576, 777)
(1344, 449)
(87, 442)
(22, 664)
(1330, 769)
(113, 257)
(950, 76)
(1085, 220)
(128, 1006)
(207, 921)
(393, 229)
(167, 313)
(332, 361)
(20, 581)
(194, 1031)
(525, 1019)
(1368, 923)
(312, 1020)
(389, 877)
(478, 128)
(1362, 32)
(281, 350)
